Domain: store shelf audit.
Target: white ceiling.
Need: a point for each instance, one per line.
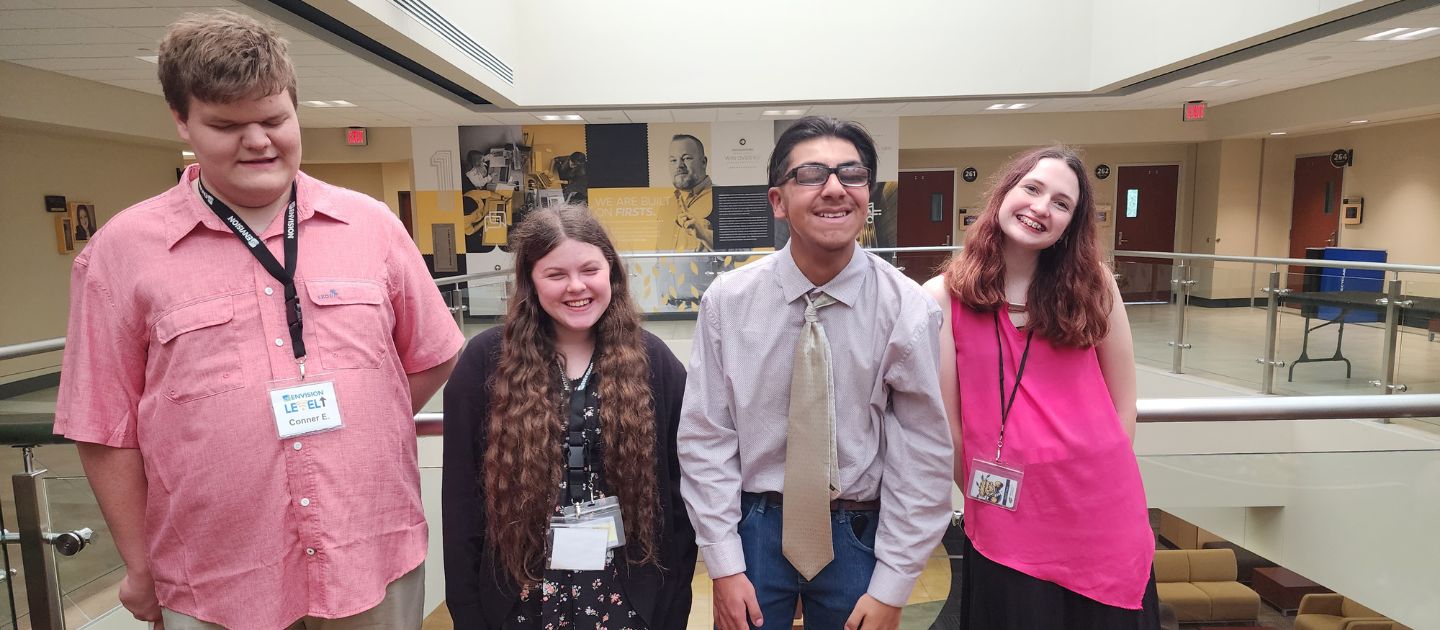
(99, 40)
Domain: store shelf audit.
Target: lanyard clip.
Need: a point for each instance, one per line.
(301, 362)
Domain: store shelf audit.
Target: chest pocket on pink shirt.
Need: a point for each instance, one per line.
(350, 320)
(200, 353)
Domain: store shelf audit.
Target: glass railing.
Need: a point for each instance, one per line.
(1217, 312)
(89, 581)
(1283, 326)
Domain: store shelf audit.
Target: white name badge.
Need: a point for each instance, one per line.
(311, 407)
(579, 548)
(994, 483)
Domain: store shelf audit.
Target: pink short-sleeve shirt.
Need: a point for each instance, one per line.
(175, 335)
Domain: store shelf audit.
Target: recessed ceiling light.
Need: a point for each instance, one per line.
(1419, 33)
(1205, 83)
(783, 112)
(1358, 122)
(549, 117)
(1402, 34)
(1277, 133)
(998, 106)
(149, 58)
(328, 104)
(1227, 82)
(189, 155)
(341, 104)
(1382, 35)
(1021, 106)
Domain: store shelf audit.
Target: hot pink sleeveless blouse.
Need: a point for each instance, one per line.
(1080, 520)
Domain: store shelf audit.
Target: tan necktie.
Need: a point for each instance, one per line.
(812, 472)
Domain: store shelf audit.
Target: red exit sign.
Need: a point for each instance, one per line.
(1193, 110)
(356, 137)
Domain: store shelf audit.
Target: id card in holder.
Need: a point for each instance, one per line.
(304, 406)
(995, 483)
(577, 548)
(602, 514)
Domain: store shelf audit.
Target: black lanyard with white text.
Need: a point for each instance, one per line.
(284, 274)
(1019, 372)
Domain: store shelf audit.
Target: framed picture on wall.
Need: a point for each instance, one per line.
(64, 234)
(82, 217)
(1104, 214)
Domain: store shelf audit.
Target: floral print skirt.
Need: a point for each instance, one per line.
(584, 600)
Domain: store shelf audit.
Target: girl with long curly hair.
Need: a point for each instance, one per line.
(568, 401)
(1043, 413)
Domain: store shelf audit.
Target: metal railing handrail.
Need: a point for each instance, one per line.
(1295, 262)
(478, 275)
(15, 351)
(28, 348)
(1225, 409)
(763, 252)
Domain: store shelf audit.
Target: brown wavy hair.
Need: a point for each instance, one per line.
(222, 57)
(1069, 299)
(523, 460)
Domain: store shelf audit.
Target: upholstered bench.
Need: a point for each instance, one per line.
(1201, 585)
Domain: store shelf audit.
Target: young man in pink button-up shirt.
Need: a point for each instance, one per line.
(246, 352)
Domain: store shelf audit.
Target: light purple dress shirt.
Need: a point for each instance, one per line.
(892, 436)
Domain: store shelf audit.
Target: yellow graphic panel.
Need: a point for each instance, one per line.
(634, 216)
(437, 207)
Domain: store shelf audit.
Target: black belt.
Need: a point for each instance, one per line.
(777, 499)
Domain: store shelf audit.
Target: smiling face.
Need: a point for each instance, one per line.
(248, 151)
(824, 220)
(572, 283)
(1038, 209)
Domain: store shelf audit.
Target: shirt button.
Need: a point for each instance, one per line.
(305, 502)
(309, 551)
(297, 446)
(269, 291)
(279, 342)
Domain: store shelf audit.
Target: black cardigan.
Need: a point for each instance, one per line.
(477, 592)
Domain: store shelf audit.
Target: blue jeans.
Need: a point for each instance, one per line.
(830, 597)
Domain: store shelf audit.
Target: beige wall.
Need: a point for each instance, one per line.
(35, 162)
(1396, 170)
(383, 181)
(363, 178)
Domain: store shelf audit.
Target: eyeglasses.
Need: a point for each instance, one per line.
(852, 175)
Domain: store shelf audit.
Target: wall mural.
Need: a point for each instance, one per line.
(658, 188)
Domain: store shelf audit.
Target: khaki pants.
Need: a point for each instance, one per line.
(401, 609)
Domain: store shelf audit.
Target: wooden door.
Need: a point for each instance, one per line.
(1315, 210)
(407, 213)
(1145, 199)
(925, 219)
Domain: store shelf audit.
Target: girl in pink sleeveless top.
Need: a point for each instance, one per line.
(1043, 412)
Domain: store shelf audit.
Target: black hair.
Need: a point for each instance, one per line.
(685, 136)
(811, 127)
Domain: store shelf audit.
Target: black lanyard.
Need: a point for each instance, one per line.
(1019, 372)
(578, 464)
(285, 274)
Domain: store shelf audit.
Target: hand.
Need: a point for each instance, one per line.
(137, 594)
(872, 614)
(735, 603)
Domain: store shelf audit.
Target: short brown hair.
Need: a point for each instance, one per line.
(222, 57)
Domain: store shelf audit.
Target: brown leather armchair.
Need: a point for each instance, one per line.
(1332, 611)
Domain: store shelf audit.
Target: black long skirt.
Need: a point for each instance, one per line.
(996, 597)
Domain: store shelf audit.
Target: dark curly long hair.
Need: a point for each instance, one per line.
(523, 457)
(1069, 299)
